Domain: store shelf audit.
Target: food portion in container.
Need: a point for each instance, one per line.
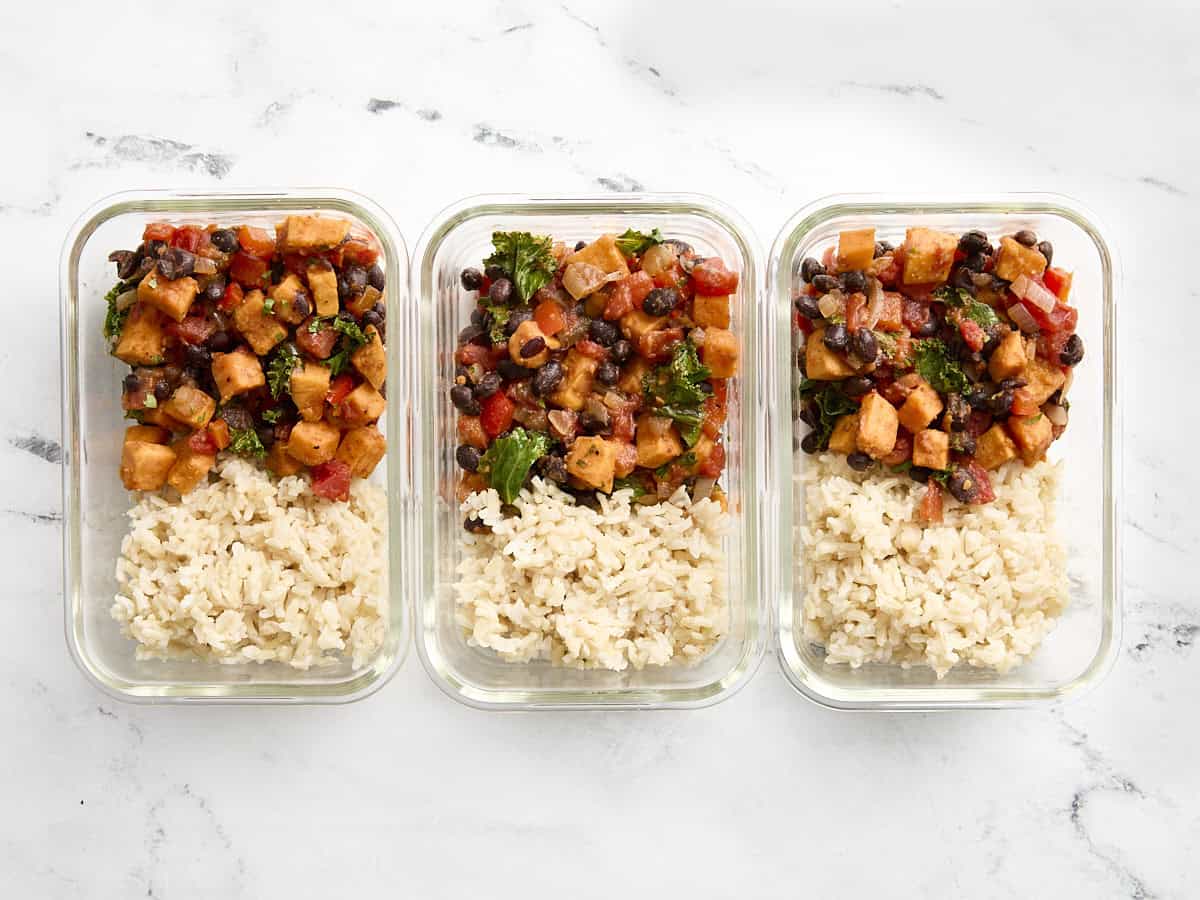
(591, 390)
(257, 369)
(934, 379)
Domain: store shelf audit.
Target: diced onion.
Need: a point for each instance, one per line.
(204, 266)
(703, 488)
(582, 279)
(1019, 286)
(126, 299)
(1040, 297)
(1021, 316)
(832, 304)
(696, 336)
(1062, 391)
(1056, 414)
(874, 302)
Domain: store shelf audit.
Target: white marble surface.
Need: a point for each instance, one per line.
(765, 795)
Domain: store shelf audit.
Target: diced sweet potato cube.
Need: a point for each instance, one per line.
(821, 363)
(890, 317)
(592, 460)
(313, 443)
(844, 438)
(1015, 259)
(261, 330)
(189, 468)
(172, 298)
(877, 426)
(142, 339)
(284, 295)
(636, 324)
(632, 374)
(309, 385)
(281, 463)
(236, 373)
(371, 359)
(157, 416)
(928, 255)
(362, 449)
(578, 372)
(657, 441)
(312, 234)
(994, 447)
(710, 312)
(1041, 380)
(1008, 359)
(191, 406)
(362, 405)
(720, 352)
(1032, 435)
(931, 449)
(360, 303)
(144, 466)
(322, 284)
(604, 254)
(855, 249)
(147, 434)
(921, 406)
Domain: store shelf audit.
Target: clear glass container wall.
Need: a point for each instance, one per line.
(461, 237)
(95, 502)
(1082, 647)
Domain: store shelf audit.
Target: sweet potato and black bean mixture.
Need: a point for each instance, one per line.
(244, 340)
(600, 367)
(944, 357)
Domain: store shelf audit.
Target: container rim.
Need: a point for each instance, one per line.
(780, 578)
(183, 201)
(759, 613)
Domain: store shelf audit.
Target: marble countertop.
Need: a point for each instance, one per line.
(765, 795)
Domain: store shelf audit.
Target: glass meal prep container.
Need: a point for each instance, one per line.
(95, 502)
(1081, 648)
(461, 237)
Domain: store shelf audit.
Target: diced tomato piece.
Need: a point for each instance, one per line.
(590, 348)
(158, 231)
(972, 334)
(623, 426)
(1058, 282)
(891, 315)
(889, 273)
(670, 276)
(930, 508)
(715, 409)
(318, 344)
(712, 466)
(338, 389)
(1023, 404)
(496, 414)
(257, 242)
(1061, 318)
(202, 442)
(913, 313)
(295, 263)
(713, 279)
(331, 480)
(248, 270)
(803, 322)
(471, 433)
(892, 392)
(983, 481)
(640, 284)
(549, 317)
(218, 429)
(856, 312)
(470, 354)
(657, 345)
(620, 301)
(336, 256)
(361, 249)
(901, 451)
(233, 297)
(194, 330)
(1050, 345)
(188, 238)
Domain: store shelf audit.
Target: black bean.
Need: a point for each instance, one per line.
(533, 347)
(810, 413)
(929, 327)
(488, 385)
(471, 278)
(1012, 384)
(1047, 250)
(857, 386)
(864, 345)
(919, 474)
(237, 418)
(975, 262)
(154, 248)
(501, 291)
(1000, 402)
(824, 283)
(193, 373)
(514, 320)
(471, 334)
(553, 467)
(463, 398)
(608, 373)
(376, 278)
(370, 317)
(356, 279)
(131, 383)
(595, 417)
(957, 412)
(214, 291)
(681, 248)
(579, 245)
(836, 337)
(266, 434)
(963, 486)
(343, 286)
(811, 442)
(510, 371)
(977, 397)
(467, 457)
(973, 242)
(854, 282)
(962, 279)
(808, 306)
(660, 301)
(479, 317)
(547, 378)
(859, 461)
(197, 356)
(1072, 351)
(621, 351)
(176, 263)
(380, 309)
(224, 240)
(493, 272)
(882, 248)
(963, 442)
(126, 261)
(475, 525)
(810, 269)
(220, 342)
(1026, 237)
(603, 333)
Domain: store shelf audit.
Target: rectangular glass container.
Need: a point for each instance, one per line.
(95, 502)
(461, 237)
(1080, 650)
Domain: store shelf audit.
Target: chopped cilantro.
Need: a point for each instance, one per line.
(630, 484)
(114, 319)
(352, 338)
(676, 387)
(959, 298)
(528, 259)
(509, 459)
(279, 370)
(269, 306)
(933, 363)
(272, 415)
(245, 441)
(903, 467)
(686, 461)
(831, 403)
(150, 401)
(635, 243)
(499, 314)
